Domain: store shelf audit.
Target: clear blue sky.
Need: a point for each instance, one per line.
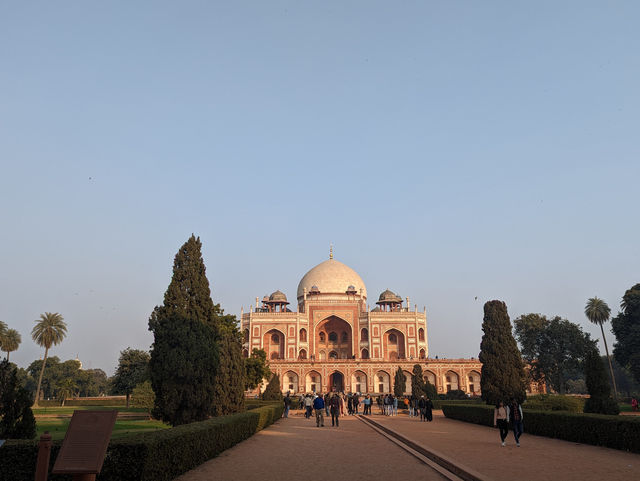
(448, 149)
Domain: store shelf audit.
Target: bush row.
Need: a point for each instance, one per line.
(617, 432)
(554, 402)
(158, 456)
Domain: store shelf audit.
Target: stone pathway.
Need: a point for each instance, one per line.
(538, 458)
(296, 448)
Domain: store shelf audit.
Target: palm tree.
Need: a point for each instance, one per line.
(66, 390)
(50, 330)
(10, 341)
(3, 332)
(598, 312)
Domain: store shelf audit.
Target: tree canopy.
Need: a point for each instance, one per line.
(554, 348)
(133, 369)
(10, 341)
(256, 369)
(503, 375)
(626, 328)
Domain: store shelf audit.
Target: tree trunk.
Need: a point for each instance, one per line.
(7, 356)
(44, 361)
(127, 400)
(613, 378)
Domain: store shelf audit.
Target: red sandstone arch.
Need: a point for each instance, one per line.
(451, 381)
(393, 345)
(313, 382)
(334, 334)
(273, 344)
(431, 377)
(303, 335)
(359, 382)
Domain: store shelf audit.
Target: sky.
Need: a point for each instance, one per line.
(453, 152)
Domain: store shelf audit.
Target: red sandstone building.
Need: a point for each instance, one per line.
(334, 341)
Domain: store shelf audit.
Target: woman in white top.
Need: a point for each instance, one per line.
(501, 419)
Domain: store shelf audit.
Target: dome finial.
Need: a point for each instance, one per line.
(330, 251)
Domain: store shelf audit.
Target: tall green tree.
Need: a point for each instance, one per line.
(399, 382)
(272, 392)
(10, 341)
(626, 328)
(16, 417)
(256, 369)
(50, 330)
(66, 390)
(417, 381)
(503, 375)
(196, 363)
(553, 348)
(598, 312)
(133, 369)
(599, 401)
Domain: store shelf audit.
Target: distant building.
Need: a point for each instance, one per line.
(333, 342)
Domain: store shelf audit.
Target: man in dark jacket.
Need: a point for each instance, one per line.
(335, 404)
(318, 406)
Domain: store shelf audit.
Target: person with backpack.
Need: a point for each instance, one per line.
(515, 414)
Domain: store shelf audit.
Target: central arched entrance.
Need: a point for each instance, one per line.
(335, 336)
(336, 382)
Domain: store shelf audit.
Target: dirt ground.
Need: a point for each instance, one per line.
(295, 447)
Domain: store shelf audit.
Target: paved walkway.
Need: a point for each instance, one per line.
(294, 447)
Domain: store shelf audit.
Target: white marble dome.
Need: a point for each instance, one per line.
(332, 277)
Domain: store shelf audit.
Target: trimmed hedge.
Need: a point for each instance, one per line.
(154, 456)
(617, 432)
(554, 402)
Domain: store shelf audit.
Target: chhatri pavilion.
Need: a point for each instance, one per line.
(334, 342)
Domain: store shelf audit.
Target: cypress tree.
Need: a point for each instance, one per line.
(417, 381)
(503, 375)
(185, 352)
(399, 383)
(598, 385)
(272, 391)
(230, 378)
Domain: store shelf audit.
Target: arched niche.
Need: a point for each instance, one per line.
(335, 334)
(273, 344)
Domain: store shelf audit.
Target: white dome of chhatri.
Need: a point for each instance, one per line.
(332, 277)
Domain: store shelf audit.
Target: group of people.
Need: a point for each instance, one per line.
(334, 404)
(503, 415)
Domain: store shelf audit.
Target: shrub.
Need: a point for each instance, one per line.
(272, 391)
(617, 432)
(159, 455)
(554, 402)
(110, 402)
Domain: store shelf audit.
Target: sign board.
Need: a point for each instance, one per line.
(85, 443)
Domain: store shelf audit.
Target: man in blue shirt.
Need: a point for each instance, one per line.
(318, 405)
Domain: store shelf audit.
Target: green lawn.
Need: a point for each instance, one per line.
(69, 409)
(58, 427)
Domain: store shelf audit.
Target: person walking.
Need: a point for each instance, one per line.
(318, 406)
(428, 409)
(350, 404)
(367, 405)
(380, 405)
(334, 404)
(515, 413)
(356, 403)
(634, 404)
(501, 419)
(308, 406)
(395, 405)
(287, 405)
(422, 407)
(327, 397)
